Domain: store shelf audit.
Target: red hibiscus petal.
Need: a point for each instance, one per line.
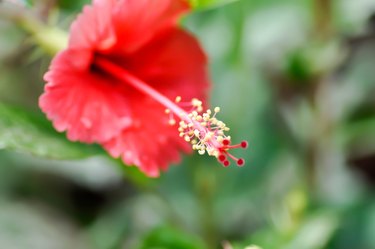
(141, 36)
(137, 21)
(150, 143)
(89, 107)
(93, 28)
(177, 67)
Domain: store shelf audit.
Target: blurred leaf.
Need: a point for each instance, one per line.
(169, 238)
(297, 67)
(313, 60)
(202, 4)
(72, 5)
(27, 3)
(112, 227)
(27, 225)
(315, 232)
(359, 134)
(253, 247)
(133, 174)
(50, 39)
(24, 132)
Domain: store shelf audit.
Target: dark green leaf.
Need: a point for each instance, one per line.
(200, 4)
(72, 5)
(25, 132)
(169, 238)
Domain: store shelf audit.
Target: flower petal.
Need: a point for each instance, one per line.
(150, 143)
(173, 63)
(93, 28)
(89, 107)
(137, 21)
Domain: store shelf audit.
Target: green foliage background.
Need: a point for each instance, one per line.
(295, 78)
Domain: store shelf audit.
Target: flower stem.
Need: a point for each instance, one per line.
(323, 18)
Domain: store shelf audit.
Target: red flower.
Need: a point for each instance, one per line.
(125, 60)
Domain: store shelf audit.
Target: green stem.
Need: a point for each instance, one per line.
(323, 18)
(205, 185)
(50, 39)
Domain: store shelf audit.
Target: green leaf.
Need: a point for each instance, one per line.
(359, 134)
(170, 238)
(134, 175)
(31, 133)
(27, 3)
(69, 5)
(202, 4)
(25, 225)
(315, 232)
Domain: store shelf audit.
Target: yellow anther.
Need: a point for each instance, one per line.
(196, 102)
(196, 133)
(172, 122)
(216, 153)
(210, 151)
(209, 135)
(205, 133)
(167, 111)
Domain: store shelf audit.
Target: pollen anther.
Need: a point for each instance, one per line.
(207, 134)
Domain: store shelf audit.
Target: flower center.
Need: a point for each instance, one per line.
(202, 129)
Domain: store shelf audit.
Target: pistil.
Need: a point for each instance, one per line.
(202, 129)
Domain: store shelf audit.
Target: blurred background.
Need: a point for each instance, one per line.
(296, 78)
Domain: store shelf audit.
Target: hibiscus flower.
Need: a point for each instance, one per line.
(114, 84)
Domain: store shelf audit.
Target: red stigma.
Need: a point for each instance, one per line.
(205, 132)
(224, 150)
(240, 162)
(222, 158)
(226, 142)
(244, 144)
